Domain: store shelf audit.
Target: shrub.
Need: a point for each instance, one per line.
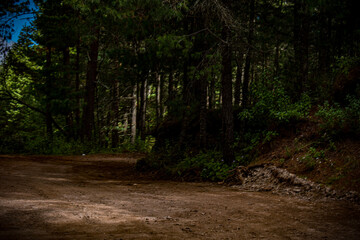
(312, 158)
(273, 105)
(333, 118)
(336, 120)
(209, 165)
(143, 146)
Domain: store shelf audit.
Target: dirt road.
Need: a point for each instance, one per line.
(102, 197)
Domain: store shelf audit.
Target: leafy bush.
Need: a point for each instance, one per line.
(273, 105)
(209, 165)
(353, 113)
(333, 118)
(336, 120)
(13, 143)
(248, 144)
(59, 145)
(343, 64)
(312, 158)
(144, 146)
(271, 108)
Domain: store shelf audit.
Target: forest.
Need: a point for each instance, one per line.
(200, 85)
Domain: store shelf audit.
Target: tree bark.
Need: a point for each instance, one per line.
(48, 115)
(245, 89)
(162, 94)
(77, 89)
(277, 42)
(170, 93)
(89, 106)
(186, 95)
(212, 93)
(142, 112)
(115, 119)
(133, 114)
(203, 110)
(239, 71)
(227, 108)
(324, 44)
(276, 58)
(301, 45)
(126, 124)
(67, 80)
(159, 93)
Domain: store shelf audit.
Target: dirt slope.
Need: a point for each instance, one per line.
(102, 197)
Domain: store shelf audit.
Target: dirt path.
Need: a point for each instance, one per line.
(101, 197)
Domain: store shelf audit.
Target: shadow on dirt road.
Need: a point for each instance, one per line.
(102, 197)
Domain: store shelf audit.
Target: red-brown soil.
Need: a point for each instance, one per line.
(103, 197)
(335, 164)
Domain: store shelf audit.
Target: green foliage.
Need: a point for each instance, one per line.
(59, 146)
(273, 105)
(171, 45)
(247, 145)
(350, 163)
(38, 144)
(163, 160)
(13, 143)
(312, 158)
(336, 120)
(143, 146)
(316, 154)
(146, 39)
(268, 136)
(28, 143)
(344, 63)
(335, 178)
(333, 118)
(210, 165)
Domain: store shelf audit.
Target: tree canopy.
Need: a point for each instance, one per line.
(183, 76)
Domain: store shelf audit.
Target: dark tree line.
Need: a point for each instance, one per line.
(187, 72)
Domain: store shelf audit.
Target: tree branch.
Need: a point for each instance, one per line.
(57, 126)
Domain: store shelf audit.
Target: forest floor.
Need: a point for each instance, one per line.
(103, 197)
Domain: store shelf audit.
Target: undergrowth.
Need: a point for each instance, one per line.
(63, 146)
(337, 120)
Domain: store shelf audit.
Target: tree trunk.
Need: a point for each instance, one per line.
(203, 110)
(276, 58)
(126, 124)
(323, 45)
(245, 90)
(301, 45)
(161, 100)
(227, 108)
(77, 88)
(147, 126)
(67, 81)
(170, 93)
(89, 106)
(212, 93)
(277, 43)
(48, 117)
(238, 80)
(220, 98)
(115, 119)
(159, 93)
(186, 101)
(142, 112)
(133, 114)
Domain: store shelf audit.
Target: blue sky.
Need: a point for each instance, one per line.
(21, 21)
